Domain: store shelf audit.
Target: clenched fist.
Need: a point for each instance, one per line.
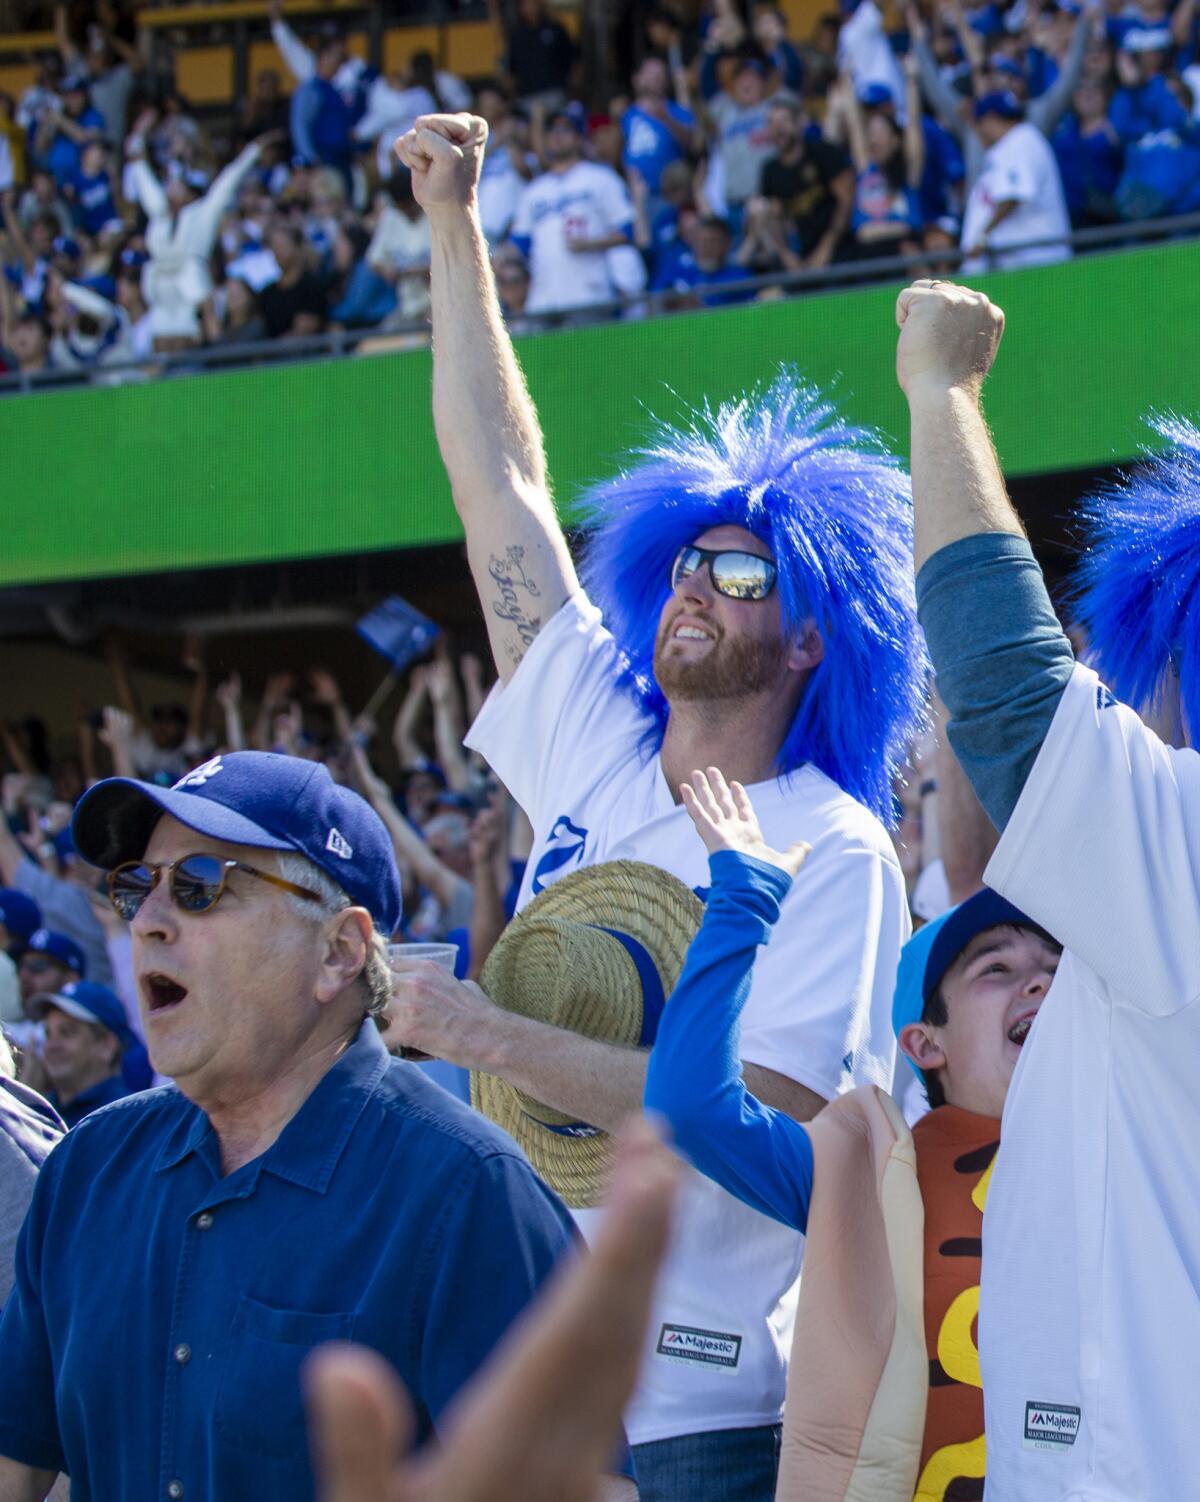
(444, 154)
(949, 336)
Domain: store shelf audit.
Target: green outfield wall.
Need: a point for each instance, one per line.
(339, 456)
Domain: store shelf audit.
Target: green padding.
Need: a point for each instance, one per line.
(340, 456)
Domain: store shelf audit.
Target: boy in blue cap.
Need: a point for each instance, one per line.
(85, 1037)
(968, 989)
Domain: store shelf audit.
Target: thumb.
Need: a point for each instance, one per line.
(359, 1419)
(795, 855)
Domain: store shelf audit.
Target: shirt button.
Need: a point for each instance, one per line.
(204, 1220)
(175, 1490)
(183, 1354)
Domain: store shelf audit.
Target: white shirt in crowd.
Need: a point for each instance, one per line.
(586, 202)
(177, 279)
(6, 165)
(391, 111)
(402, 244)
(500, 188)
(570, 745)
(1089, 1323)
(1021, 166)
(865, 52)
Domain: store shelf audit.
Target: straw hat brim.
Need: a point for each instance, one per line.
(661, 915)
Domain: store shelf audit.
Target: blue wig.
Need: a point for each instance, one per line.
(835, 510)
(1137, 588)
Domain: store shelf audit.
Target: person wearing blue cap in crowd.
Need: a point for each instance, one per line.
(20, 917)
(1017, 200)
(968, 989)
(299, 1186)
(85, 1037)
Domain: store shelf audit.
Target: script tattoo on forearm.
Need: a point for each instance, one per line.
(513, 583)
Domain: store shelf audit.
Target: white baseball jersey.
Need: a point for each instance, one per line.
(570, 745)
(586, 202)
(1089, 1323)
(1020, 167)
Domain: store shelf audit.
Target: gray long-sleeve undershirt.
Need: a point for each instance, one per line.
(1001, 658)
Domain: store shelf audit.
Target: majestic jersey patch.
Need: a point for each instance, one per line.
(1050, 1426)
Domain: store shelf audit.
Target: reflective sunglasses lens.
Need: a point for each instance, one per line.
(128, 889)
(196, 882)
(687, 561)
(743, 576)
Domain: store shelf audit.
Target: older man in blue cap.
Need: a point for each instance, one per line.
(85, 1037)
(300, 1186)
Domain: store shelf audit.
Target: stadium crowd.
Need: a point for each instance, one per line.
(735, 151)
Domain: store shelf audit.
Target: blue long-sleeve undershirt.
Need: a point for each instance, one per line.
(758, 1154)
(1001, 659)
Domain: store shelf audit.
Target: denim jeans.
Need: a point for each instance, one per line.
(727, 1465)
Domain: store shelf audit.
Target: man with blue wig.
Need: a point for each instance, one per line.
(1089, 1321)
(746, 604)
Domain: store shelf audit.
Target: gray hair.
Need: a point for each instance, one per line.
(376, 973)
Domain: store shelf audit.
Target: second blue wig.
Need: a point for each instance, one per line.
(1137, 587)
(835, 509)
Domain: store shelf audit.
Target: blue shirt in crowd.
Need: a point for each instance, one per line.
(161, 1312)
(94, 205)
(89, 1100)
(322, 124)
(65, 154)
(649, 145)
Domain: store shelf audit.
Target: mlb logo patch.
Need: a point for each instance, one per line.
(1050, 1426)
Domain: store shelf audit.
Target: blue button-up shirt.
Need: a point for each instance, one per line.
(153, 1341)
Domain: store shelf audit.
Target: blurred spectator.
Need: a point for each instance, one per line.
(93, 192)
(769, 29)
(889, 162)
(180, 235)
(322, 123)
(110, 67)
(507, 164)
(296, 305)
(232, 315)
(737, 114)
(42, 197)
(44, 94)
(63, 133)
(813, 182)
(865, 53)
(1090, 154)
(393, 104)
(399, 249)
(512, 287)
(29, 1128)
(85, 1038)
(20, 918)
(265, 110)
(140, 339)
(703, 263)
(1018, 195)
(539, 56)
(12, 146)
(656, 131)
(567, 219)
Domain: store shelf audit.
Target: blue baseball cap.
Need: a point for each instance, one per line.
(19, 914)
(931, 951)
(1002, 64)
(88, 1002)
(256, 798)
(1002, 102)
(876, 96)
(58, 947)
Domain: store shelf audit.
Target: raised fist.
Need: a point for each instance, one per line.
(444, 154)
(949, 336)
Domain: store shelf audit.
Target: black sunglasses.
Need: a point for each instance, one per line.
(741, 576)
(196, 883)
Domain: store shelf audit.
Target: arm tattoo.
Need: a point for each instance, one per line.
(512, 582)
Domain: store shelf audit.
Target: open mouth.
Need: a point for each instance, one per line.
(161, 992)
(1019, 1031)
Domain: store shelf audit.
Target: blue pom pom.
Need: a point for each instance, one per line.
(835, 509)
(1138, 584)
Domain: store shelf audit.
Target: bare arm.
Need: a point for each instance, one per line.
(914, 130)
(21, 1483)
(412, 853)
(448, 727)
(968, 837)
(229, 697)
(488, 848)
(404, 733)
(948, 339)
(856, 131)
(600, 1083)
(486, 424)
(12, 852)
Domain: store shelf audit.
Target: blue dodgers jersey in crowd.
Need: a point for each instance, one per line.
(161, 1313)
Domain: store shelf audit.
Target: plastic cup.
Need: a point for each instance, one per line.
(445, 955)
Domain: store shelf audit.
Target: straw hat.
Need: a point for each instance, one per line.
(597, 953)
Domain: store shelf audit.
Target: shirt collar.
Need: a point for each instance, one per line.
(308, 1149)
